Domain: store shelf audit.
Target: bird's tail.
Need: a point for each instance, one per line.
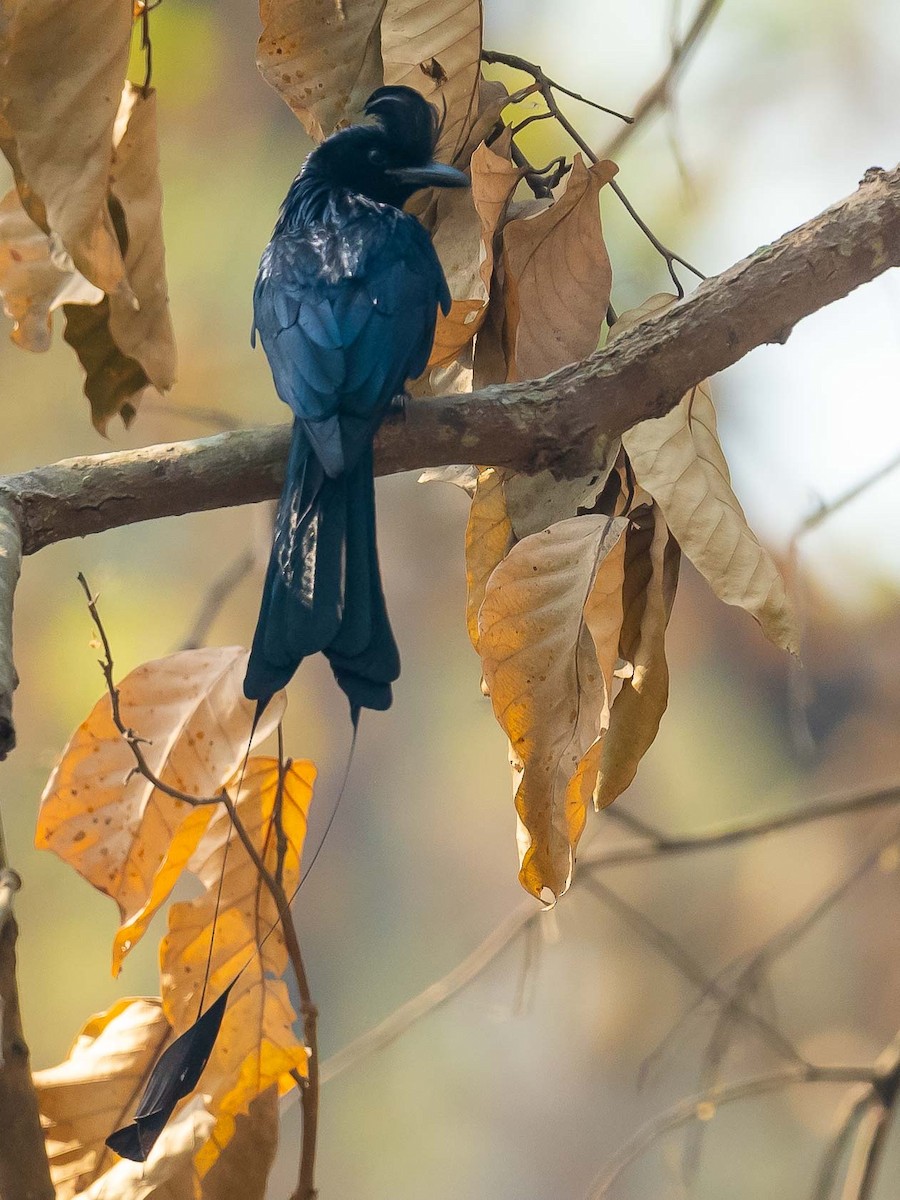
(323, 586)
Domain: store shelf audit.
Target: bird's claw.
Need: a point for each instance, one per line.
(397, 406)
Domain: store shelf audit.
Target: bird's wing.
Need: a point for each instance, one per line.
(345, 325)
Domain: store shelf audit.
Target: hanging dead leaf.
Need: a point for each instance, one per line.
(557, 277)
(89, 1094)
(256, 1047)
(169, 1172)
(124, 836)
(464, 225)
(462, 476)
(652, 559)
(243, 1165)
(633, 316)
(124, 350)
(64, 67)
(489, 537)
(679, 461)
(536, 501)
(31, 283)
(322, 57)
(549, 630)
(436, 49)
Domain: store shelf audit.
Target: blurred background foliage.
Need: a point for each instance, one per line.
(512, 1091)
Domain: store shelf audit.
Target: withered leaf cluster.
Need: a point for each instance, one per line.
(81, 230)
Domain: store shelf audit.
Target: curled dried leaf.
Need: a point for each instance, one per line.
(652, 559)
(92, 1092)
(434, 46)
(679, 461)
(489, 537)
(549, 631)
(323, 58)
(64, 68)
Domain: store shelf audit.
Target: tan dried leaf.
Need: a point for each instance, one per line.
(124, 350)
(434, 46)
(168, 1173)
(64, 67)
(323, 57)
(31, 283)
(462, 476)
(489, 537)
(557, 277)
(679, 461)
(549, 631)
(464, 225)
(256, 1047)
(94, 1090)
(536, 501)
(124, 836)
(633, 316)
(652, 559)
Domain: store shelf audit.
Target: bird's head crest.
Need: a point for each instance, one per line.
(410, 123)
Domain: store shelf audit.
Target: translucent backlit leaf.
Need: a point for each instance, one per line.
(549, 628)
(127, 838)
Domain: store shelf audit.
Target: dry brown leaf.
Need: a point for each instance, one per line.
(557, 277)
(679, 461)
(434, 46)
(124, 350)
(91, 1093)
(652, 560)
(633, 316)
(64, 67)
(489, 537)
(242, 1169)
(168, 1173)
(464, 225)
(256, 1046)
(31, 283)
(549, 630)
(124, 836)
(323, 57)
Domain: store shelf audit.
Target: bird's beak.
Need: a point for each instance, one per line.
(433, 174)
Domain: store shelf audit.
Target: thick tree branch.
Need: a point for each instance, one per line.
(553, 422)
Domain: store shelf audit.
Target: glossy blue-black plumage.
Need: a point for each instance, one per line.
(345, 306)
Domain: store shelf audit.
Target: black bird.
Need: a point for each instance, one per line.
(345, 305)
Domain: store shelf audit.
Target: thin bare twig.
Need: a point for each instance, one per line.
(547, 88)
(705, 1103)
(310, 1092)
(855, 1108)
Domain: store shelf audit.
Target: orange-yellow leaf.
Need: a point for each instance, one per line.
(464, 225)
(244, 1161)
(489, 537)
(549, 627)
(64, 67)
(652, 559)
(557, 277)
(127, 838)
(94, 1090)
(256, 1047)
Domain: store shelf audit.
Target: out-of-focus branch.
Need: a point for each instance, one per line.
(24, 1170)
(658, 95)
(10, 564)
(654, 845)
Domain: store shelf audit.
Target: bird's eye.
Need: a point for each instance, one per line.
(376, 157)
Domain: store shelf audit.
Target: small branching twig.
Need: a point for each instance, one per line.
(547, 88)
(310, 1091)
